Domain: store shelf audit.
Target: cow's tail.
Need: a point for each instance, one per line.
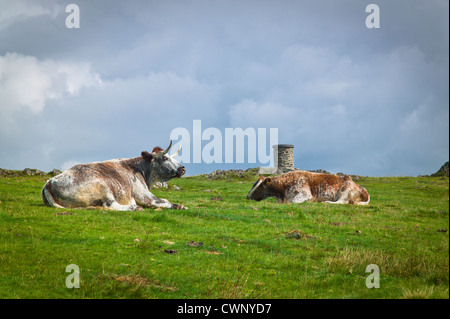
(48, 198)
(365, 203)
(365, 196)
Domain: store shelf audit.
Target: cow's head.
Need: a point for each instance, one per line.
(164, 166)
(260, 189)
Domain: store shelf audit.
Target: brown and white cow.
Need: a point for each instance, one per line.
(121, 184)
(301, 186)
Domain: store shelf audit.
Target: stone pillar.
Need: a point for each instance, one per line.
(284, 157)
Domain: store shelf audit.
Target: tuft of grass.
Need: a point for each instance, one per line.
(237, 287)
(415, 263)
(424, 292)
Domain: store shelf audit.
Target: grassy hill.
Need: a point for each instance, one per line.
(227, 247)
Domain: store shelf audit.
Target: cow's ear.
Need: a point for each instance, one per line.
(267, 181)
(147, 156)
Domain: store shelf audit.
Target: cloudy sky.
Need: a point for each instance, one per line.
(351, 99)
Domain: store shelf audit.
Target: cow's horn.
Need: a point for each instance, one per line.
(176, 153)
(161, 154)
(253, 189)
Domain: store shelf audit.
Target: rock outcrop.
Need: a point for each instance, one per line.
(443, 171)
(27, 172)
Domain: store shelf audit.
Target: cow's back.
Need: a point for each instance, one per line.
(325, 186)
(322, 186)
(91, 185)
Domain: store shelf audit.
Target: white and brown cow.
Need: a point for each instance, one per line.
(121, 184)
(301, 186)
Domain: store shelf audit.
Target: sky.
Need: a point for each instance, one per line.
(352, 99)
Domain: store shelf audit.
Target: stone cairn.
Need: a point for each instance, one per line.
(284, 157)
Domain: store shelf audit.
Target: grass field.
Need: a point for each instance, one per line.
(249, 249)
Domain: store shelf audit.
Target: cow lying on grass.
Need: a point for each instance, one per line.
(301, 186)
(121, 184)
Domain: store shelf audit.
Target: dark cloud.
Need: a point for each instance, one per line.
(352, 99)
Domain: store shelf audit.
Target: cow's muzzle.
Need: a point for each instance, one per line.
(180, 171)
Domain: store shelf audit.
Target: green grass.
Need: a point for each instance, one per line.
(250, 249)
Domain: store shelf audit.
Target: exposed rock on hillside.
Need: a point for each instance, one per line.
(443, 171)
(27, 172)
(251, 173)
(232, 173)
(322, 171)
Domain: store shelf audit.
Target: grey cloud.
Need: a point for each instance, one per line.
(349, 98)
(119, 118)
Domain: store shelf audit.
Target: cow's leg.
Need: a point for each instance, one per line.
(112, 204)
(164, 203)
(336, 202)
(301, 196)
(116, 206)
(145, 198)
(161, 203)
(343, 198)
